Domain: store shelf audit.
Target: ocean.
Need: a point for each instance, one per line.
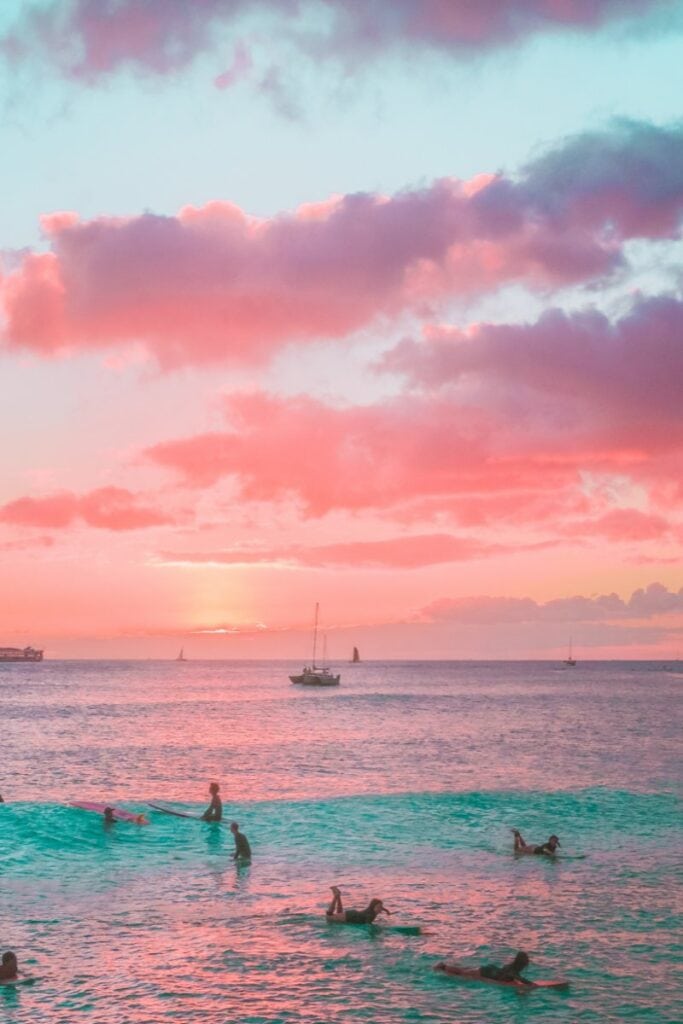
(402, 783)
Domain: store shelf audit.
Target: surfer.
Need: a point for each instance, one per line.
(109, 818)
(336, 913)
(509, 973)
(547, 849)
(9, 968)
(214, 812)
(242, 852)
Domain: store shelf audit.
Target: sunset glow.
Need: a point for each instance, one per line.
(378, 306)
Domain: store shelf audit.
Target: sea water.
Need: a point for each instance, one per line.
(402, 783)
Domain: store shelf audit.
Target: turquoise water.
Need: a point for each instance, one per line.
(403, 784)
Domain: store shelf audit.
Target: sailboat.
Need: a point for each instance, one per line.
(355, 657)
(570, 659)
(181, 656)
(314, 675)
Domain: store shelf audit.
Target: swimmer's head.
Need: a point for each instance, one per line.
(521, 961)
(214, 788)
(9, 959)
(553, 842)
(108, 813)
(234, 827)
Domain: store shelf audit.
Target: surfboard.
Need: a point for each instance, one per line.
(472, 974)
(119, 813)
(176, 814)
(406, 929)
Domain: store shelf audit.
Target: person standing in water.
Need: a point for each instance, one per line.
(214, 812)
(335, 912)
(109, 818)
(242, 852)
(548, 849)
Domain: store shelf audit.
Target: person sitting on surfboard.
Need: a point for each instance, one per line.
(509, 974)
(9, 968)
(214, 812)
(336, 913)
(547, 849)
(242, 852)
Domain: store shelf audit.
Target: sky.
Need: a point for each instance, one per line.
(373, 305)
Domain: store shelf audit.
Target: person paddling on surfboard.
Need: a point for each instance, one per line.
(214, 812)
(509, 973)
(335, 913)
(242, 852)
(9, 968)
(548, 849)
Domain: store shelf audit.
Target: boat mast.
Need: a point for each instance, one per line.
(315, 632)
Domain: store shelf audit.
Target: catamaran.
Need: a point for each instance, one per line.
(314, 675)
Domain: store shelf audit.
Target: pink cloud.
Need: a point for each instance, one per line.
(88, 39)
(615, 386)
(238, 70)
(415, 449)
(647, 603)
(355, 458)
(621, 524)
(214, 284)
(107, 508)
(410, 552)
(27, 543)
(457, 27)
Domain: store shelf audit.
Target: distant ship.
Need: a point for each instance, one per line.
(20, 654)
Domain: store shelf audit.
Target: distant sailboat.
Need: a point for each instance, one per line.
(181, 656)
(356, 656)
(570, 659)
(314, 675)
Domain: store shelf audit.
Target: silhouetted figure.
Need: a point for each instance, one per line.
(547, 849)
(508, 974)
(242, 852)
(335, 912)
(214, 812)
(9, 968)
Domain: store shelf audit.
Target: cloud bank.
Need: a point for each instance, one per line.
(407, 552)
(647, 603)
(516, 423)
(107, 508)
(90, 39)
(214, 284)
